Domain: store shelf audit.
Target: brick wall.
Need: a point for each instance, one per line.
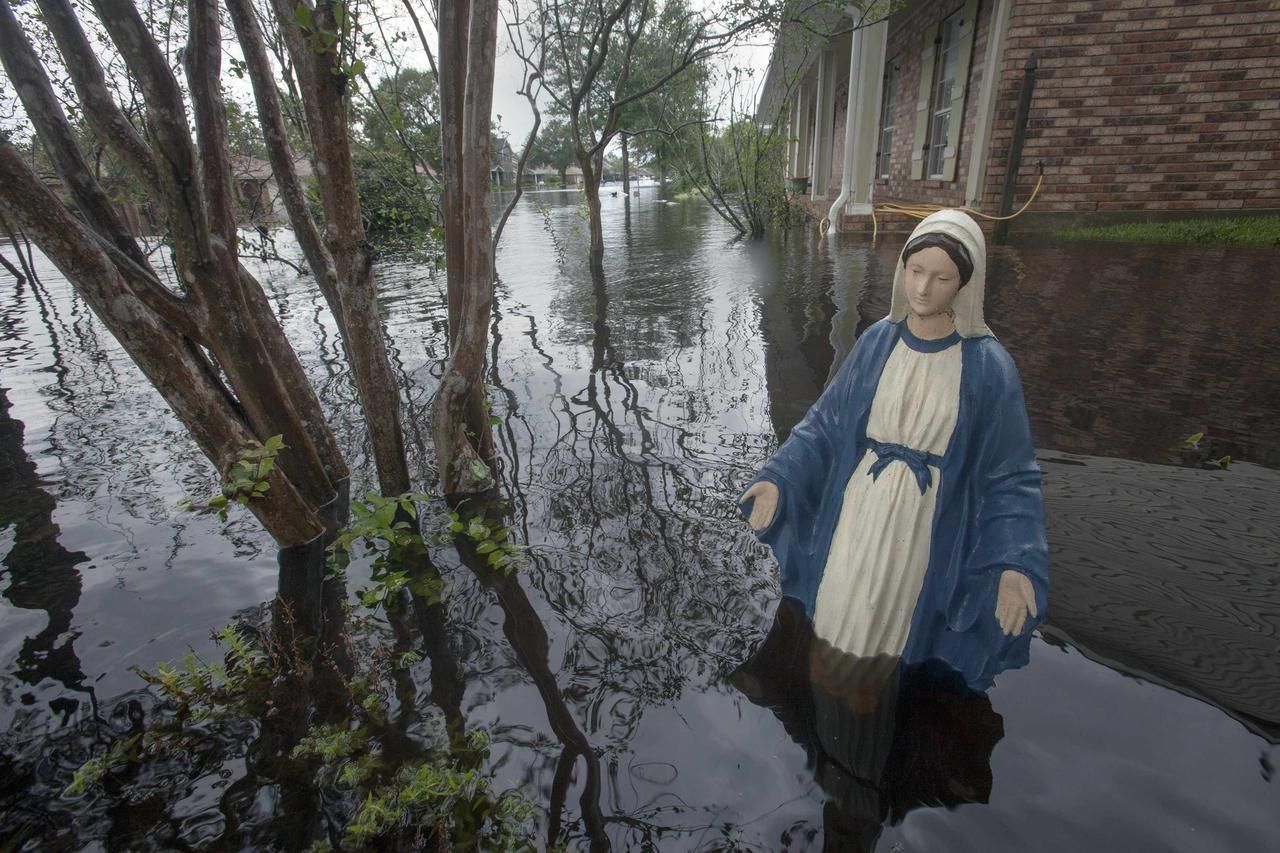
(906, 39)
(1148, 105)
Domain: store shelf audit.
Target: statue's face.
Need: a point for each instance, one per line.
(931, 281)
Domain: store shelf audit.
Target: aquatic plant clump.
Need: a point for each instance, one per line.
(368, 784)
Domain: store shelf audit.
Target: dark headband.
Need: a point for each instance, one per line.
(954, 248)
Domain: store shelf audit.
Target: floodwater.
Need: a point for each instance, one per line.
(606, 670)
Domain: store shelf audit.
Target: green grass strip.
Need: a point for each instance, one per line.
(1244, 231)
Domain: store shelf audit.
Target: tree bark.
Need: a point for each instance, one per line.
(344, 232)
(626, 168)
(174, 365)
(592, 166)
(281, 157)
(323, 83)
(464, 441)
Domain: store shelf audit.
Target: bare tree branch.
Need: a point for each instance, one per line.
(100, 108)
(270, 116)
(204, 72)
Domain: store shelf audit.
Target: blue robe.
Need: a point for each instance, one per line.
(989, 513)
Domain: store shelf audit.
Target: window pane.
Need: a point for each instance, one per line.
(886, 121)
(944, 82)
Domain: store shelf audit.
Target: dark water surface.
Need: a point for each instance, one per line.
(631, 415)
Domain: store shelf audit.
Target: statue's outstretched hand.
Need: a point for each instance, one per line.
(1015, 602)
(765, 506)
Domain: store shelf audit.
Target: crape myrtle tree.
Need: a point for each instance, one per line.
(211, 344)
(735, 162)
(598, 58)
(468, 33)
(208, 339)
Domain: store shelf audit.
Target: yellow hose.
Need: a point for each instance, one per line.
(920, 211)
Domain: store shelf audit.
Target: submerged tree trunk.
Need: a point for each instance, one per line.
(626, 167)
(592, 167)
(464, 441)
(221, 310)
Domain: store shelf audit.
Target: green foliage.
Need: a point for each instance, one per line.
(1193, 443)
(399, 203)
(401, 114)
(435, 793)
(1237, 231)
(89, 774)
(248, 478)
(492, 542)
(740, 171)
(554, 146)
(386, 527)
(201, 690)
(244, 136)
(331, 35)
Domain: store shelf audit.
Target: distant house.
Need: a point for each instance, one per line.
(573, 176)
(502, 169)
(1137, 106)
(539, 175)
(255, 186)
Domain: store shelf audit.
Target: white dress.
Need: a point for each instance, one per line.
(880, 549)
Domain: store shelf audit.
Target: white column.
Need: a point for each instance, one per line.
(804, 101)
(793, 135)
(824, 126)
(862, 123)
(865, 132)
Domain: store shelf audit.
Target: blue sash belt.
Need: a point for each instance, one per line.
(917, 460)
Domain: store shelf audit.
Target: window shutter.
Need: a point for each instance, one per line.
(927, 55)
(965, 37)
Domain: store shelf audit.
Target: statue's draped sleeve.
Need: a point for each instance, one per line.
(1008, 516)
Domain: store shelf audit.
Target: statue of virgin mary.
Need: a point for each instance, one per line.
(905, 509)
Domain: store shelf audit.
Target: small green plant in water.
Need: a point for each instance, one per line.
(492, 542)
(247, 479)
(202, 690)
(437, 797)
(1193, 441)
(387, 527)
(123, 751)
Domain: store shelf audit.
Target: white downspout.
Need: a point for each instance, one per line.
(836, 213)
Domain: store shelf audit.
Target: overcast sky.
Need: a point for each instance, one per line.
(517, 118)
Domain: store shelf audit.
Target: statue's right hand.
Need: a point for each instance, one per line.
(765, 506)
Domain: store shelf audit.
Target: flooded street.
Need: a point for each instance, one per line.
(629, 417)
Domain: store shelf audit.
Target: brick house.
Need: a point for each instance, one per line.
(1139, 106)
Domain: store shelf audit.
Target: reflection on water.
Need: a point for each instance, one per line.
(880, 740)
(631, 412)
